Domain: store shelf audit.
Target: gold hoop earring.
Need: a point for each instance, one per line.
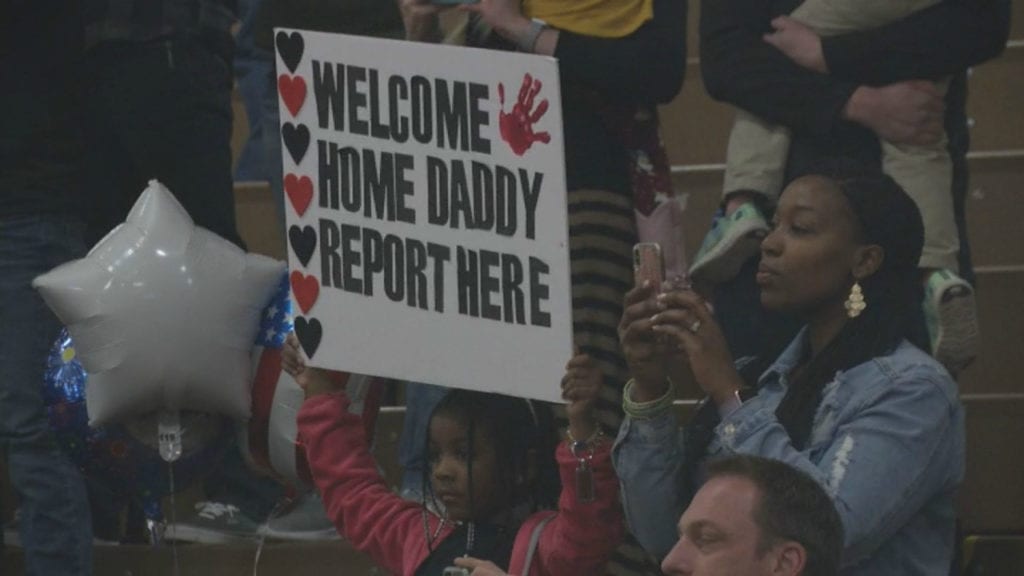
(855, 302)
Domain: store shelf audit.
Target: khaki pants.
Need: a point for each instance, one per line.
(756, 157)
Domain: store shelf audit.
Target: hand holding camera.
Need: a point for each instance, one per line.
(665, 320)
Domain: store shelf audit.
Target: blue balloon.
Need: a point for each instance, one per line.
(125, 457)
(276, 321)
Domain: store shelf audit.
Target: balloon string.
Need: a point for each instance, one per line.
(174, 518)
(274, 513)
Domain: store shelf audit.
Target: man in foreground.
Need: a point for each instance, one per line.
(757, 517)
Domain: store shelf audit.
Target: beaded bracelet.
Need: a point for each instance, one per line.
(646, 410)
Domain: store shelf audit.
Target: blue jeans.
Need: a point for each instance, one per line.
(252, 68)
(54, 523)
(420, 400)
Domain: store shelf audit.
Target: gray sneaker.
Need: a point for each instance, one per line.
(951, 315)
(731, 241)
(214, 523)
(304, 520)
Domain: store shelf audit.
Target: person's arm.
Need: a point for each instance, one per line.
(935, 42)
(420, 18)
(357, 500)
(740, 68)
(648, 458)
(583, 535)
(648, 453)
(879, 466)
(646, 66)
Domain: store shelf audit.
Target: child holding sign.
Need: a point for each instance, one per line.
(485, 453)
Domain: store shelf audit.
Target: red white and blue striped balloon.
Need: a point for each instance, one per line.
(270, 442)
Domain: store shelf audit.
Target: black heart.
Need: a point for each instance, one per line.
(296, 139)
(309, 334)
(290, 47)
(303, 241)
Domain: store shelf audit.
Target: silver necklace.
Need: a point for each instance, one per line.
(431, 538)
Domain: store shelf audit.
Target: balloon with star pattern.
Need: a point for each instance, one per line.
(125, 457)
(270, 441)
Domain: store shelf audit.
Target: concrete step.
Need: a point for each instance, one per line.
(995, 209)
(993, 554)
(992, 497)
(995, 91)
(275, 559)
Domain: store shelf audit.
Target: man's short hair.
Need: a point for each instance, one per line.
(791, 506)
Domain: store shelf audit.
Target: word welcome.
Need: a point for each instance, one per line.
(442, 112)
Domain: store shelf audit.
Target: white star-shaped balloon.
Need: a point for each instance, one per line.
(163, 314)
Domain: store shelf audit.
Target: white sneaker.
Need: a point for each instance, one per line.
(214, 523)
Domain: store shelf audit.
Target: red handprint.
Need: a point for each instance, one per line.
(517, 125)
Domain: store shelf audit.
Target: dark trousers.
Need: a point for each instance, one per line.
(162, 109)
(54, 521)
(159, 109)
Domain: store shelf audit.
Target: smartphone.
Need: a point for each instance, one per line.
(648, 265)
(455, 571)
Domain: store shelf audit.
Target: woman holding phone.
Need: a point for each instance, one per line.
(869, 415)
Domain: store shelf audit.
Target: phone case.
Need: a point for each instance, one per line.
(648, 264)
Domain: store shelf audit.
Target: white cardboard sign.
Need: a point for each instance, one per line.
(426, 208)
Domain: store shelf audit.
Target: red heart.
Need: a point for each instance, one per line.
(293, 91)
(306, 290)
(300, 192)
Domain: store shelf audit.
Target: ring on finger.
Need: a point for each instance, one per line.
(695, 326)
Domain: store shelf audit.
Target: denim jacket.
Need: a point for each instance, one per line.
(887, 444)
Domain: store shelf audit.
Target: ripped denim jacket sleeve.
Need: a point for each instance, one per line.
(887, 445)
(648, 458)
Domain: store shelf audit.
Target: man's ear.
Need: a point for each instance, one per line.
(790, 558)
(867, 260)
